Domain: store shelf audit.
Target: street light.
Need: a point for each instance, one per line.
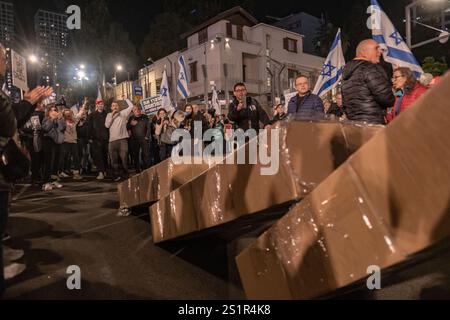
(81, 74)
(82, 66)
(443, 37)
(119, 68)
(32, 58)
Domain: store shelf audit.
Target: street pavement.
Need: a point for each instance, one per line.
(78, 225)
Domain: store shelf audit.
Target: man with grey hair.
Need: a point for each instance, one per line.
(366, 89)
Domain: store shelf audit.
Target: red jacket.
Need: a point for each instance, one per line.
(407, 101)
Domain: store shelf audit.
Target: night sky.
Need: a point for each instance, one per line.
(136, 16)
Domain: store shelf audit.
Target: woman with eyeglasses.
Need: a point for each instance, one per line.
(407, 90)
(53, 127)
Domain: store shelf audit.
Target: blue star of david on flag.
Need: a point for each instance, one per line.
(332, 69)
(164, 92)
(397, 37)
(327, 69)
(182, 82)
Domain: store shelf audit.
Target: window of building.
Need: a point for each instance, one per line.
(290, 45)
(240, 33)
(244, 73)
(193, 69)
(203, 36)
(229, 30)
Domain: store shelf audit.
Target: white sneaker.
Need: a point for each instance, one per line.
(123, 212)
(13, 270)
(57, 185)
(63, 175)
(100, 176)
(10, 254)
(76, 175)
(47, 187)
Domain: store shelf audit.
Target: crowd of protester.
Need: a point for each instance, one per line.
(70, 142)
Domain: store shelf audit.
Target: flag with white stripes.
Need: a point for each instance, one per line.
(333, 68)
(182, 83)
(164, 92)
(395, 50)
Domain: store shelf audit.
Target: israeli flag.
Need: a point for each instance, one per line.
(333, 68)
(182, 83)
(165, 94)
(395, 50)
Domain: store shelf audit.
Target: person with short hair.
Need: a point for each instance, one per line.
(140, 135)
(337, 109)
(246, 112)
(116, 122)
(98, 138)
(366, 90)
(305, 104)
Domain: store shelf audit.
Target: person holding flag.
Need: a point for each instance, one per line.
(333, 68)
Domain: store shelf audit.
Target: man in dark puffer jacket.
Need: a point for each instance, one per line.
(366, 89)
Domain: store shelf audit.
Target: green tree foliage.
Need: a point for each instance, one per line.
(102, 43)
(163, 37)
(325, 37)
(433, 66)
(179, 16)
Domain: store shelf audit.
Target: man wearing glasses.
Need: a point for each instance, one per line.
(246, 112)
(366, 90)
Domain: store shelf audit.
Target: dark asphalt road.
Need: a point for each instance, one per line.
(77, 225)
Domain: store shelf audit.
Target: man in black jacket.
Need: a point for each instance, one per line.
(337, 109)
(366, 89)
(98, 138)
(245, 111)
(140, 134)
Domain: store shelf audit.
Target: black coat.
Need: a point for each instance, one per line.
(336, 111)
(96, 126)
(142, 129)
(366, 92)
(249, 117)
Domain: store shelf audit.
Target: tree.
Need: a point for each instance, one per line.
(325, 37)
(101, 44)
(163, 37)
(436, 68)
